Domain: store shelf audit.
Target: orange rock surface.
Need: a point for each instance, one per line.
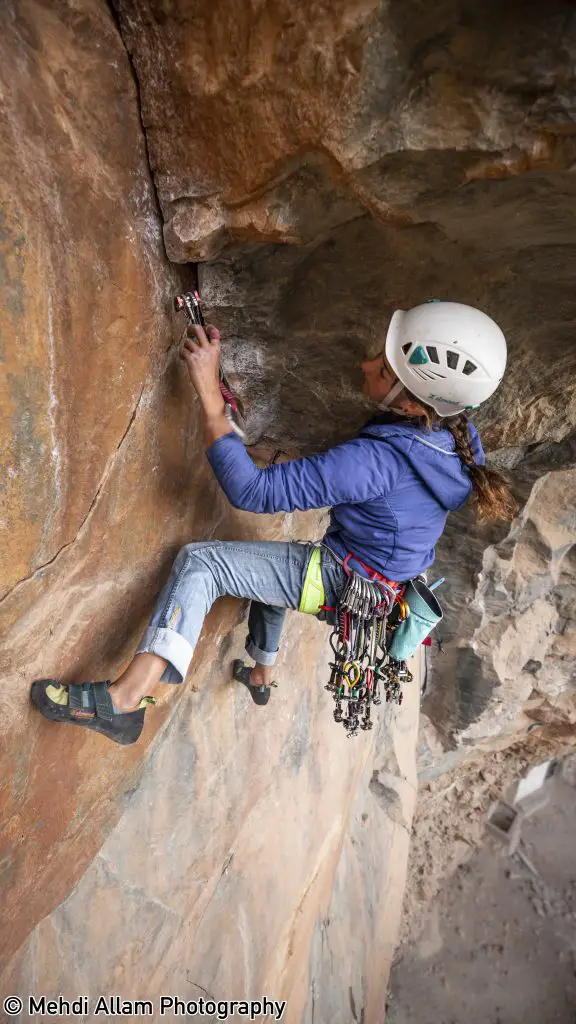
(327, 163)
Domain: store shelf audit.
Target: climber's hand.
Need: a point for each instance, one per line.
(201, 353)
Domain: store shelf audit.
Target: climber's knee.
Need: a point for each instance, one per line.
(196, 558)
(197, 549)
(186, 553)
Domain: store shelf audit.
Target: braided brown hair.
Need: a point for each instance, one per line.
(491, 494)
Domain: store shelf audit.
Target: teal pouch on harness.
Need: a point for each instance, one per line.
(425, 614)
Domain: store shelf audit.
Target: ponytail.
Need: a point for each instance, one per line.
(490, 492)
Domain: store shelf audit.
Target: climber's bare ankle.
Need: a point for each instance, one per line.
(122, 699)
(138, 681)
(261, 675)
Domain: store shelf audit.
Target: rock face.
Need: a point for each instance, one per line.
(254, 857)
(408, 154)
(114, 863)
(326, 164)
(336, 163)
(103, 476)
(514, 642)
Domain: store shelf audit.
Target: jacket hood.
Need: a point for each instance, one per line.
(432, 456)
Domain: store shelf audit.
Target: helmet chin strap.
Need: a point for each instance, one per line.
(386, 403)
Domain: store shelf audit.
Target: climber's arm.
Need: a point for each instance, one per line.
(332, 478)
(355, 471)
(216, 423)
(201, 353)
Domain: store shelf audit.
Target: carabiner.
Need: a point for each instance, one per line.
(352, 680)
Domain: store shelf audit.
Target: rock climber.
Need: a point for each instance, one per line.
(389, 494)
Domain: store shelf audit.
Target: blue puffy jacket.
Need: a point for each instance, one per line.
(390, 492)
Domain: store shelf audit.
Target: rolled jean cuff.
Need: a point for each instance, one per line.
(168, 644)
(262, 657)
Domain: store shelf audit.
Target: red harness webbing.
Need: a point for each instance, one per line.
(375, 576)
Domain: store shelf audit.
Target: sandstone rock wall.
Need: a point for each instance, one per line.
(221, 832)
(515, 640)
(326, 164)
(103, 474)
(257, 855)
(375, 156)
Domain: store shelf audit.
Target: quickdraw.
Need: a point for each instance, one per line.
(362, 672)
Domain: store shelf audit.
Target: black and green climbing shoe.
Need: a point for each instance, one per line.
(88, 705)
(241, 672)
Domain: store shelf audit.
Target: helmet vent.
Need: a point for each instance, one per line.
(406, 348)
(452, 360)
(469, 368)
(433, 353)
(425, 375)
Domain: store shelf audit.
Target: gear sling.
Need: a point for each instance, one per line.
(379, 624)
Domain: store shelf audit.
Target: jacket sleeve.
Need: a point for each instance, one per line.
(476, 445)
(350, 473)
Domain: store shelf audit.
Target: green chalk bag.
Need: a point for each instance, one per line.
(425, 614)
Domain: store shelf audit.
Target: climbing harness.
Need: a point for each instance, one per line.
(362, 673)
(358, 642)
(189, 304)
(379, 624)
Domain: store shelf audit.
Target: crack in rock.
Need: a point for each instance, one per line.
(107, 470)
(115, 15)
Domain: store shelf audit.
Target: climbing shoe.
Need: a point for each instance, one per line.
(241, 672)
(89, 705)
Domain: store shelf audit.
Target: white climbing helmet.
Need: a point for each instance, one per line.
(449, 355)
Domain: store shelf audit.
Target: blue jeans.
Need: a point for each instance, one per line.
(270, 573)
